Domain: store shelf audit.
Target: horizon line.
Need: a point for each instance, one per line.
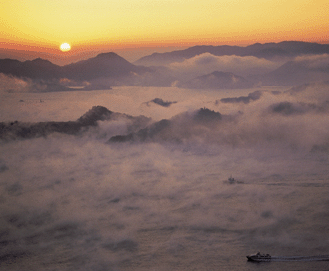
(130, 53)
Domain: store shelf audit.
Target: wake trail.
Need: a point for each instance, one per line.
(300, 258)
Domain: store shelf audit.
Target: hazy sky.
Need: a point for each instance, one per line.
(87, 24)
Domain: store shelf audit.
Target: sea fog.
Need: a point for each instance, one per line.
(163, 201)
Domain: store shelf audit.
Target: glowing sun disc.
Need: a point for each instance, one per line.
(65, 47)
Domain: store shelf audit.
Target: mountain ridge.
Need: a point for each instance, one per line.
(266, 50)
(103, 65)
(297, 60)
(217, 80)
(25, 130)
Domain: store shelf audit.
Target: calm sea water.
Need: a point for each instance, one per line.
(80, 203)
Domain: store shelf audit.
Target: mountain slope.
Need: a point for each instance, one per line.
(267, 50)
(24, 130)
(177, 129)
(103, 65)
(36, 69)
(217, 80)
(299, 71)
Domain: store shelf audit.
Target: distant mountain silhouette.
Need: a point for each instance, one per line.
(206, 115)
(253, 96)
(24, 130)
(103, 65)
(267, 50)
(217, 80)
(35, 69)
(160, 102)
(299, 71)
(171, 130)
(109, 69)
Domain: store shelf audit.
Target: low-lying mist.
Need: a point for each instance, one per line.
(158, 198)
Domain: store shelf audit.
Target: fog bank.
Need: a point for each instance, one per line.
(160, 200)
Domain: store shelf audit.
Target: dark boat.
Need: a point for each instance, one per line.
(231, 180)
(258, 257)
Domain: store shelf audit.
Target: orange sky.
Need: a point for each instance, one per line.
(128, 25)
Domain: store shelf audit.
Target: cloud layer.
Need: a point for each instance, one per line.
(9, 83)
(208, 63)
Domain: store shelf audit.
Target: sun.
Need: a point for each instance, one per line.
(65, 47)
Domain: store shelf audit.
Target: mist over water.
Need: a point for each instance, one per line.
(84, 202)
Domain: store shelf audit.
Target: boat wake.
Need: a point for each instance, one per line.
(300, 258)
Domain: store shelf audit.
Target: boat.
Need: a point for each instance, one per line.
(231, 180)
(258, 257)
